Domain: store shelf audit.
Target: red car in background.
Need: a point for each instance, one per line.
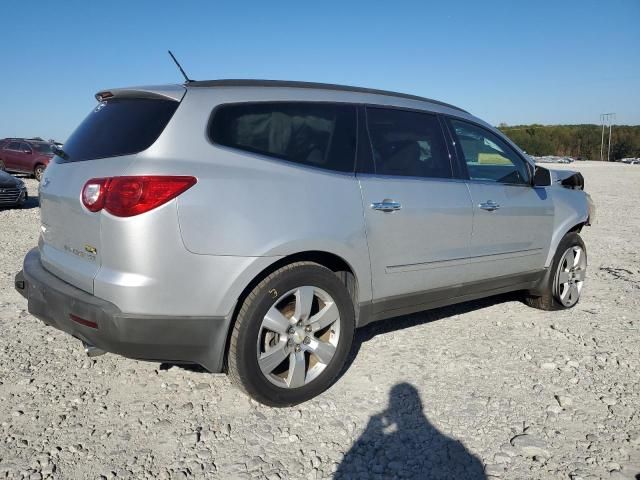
(19, 155)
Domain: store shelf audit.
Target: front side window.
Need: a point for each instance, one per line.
(316, 134)
(409, 144)
(24, 147)
(488, 157)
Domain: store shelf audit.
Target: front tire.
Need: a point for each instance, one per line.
(292, 335)
(563, 286)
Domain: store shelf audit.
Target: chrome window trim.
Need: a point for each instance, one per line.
(491, 182)
(413, 178)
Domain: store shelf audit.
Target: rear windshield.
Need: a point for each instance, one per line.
(119, 126)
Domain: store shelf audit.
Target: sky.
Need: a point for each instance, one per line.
(506, 61)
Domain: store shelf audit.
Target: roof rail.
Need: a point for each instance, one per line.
(318, 86)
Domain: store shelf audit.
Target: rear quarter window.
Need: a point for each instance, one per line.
(320, 135)
(119, 126)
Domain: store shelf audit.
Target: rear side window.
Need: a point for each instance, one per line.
(317, 134)
(409, 144)
(119, 126)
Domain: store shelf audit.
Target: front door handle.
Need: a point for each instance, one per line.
(386, 206)
(489, 205)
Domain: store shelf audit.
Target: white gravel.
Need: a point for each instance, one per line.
(484, 389)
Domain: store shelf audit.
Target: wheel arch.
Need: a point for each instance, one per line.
(574, 226)
(577, 228)
(341, 267)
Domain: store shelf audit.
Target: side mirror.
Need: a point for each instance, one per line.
(541, 177)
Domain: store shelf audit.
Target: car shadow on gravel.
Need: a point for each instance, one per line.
(372, 330)
(400, 442)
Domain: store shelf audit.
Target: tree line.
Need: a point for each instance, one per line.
(577, 141)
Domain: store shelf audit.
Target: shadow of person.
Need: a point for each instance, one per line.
(401, 443)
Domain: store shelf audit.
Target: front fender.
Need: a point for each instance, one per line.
(572, 209)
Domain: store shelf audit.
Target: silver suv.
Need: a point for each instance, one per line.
(250, 226)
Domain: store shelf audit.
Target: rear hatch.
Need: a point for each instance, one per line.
(124, 123)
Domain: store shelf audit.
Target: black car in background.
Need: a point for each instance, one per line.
(13, 191)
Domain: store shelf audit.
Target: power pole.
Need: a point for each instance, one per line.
(609, 149)
(602, 141)
(606, 118)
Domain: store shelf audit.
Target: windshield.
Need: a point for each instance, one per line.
(42, 148)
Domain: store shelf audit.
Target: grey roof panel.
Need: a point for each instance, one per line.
(318, 86)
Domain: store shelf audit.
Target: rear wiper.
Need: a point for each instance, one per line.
(59, 152)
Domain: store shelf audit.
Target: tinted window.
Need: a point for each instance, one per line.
(42, 147)
(25, 147)
(408, 144)
(317, 134)
(14, 146)
(119, 127)
(488, 157)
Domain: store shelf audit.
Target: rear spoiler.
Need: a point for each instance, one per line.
(162, 92)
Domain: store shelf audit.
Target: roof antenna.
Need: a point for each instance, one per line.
(187, 79)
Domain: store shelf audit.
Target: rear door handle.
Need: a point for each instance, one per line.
(489, 205)
(386, 206)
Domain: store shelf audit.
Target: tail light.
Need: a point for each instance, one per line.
(94, 193)
(129, 196)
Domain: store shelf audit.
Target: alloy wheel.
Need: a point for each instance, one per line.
(570, 276)
(298, 337)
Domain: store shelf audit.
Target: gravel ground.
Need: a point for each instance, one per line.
(484, 389)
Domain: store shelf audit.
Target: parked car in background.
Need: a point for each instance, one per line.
(251, 226)
(19, 155)
(13, 191)
(630, 161)
(552, 159)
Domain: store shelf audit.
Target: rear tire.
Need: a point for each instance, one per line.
(563, 285)
(292, 335)
(39, 171)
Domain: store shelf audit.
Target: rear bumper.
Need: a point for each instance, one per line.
(199, 340)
